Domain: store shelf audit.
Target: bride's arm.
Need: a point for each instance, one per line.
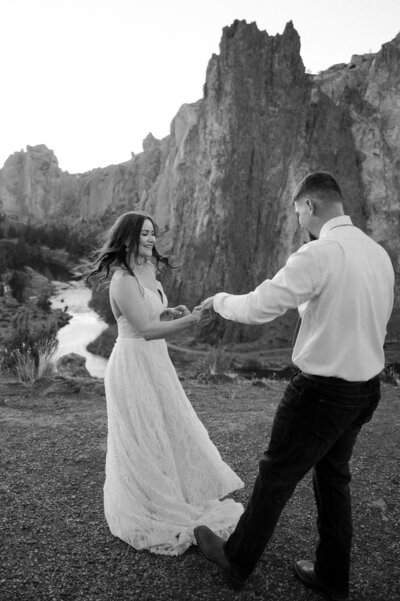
(128, 298)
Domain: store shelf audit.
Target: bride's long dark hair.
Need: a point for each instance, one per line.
(121, 241)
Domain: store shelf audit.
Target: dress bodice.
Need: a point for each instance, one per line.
(154, 305)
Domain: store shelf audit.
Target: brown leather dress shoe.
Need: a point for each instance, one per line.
(305, 571)
(212, 547)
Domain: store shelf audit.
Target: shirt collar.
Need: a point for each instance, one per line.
(335, 222)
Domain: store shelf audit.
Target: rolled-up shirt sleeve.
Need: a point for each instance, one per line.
(293, 285)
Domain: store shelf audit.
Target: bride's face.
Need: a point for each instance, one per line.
(146, 240)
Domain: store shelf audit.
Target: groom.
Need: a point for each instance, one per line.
(342, 284)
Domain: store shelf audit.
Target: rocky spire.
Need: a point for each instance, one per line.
(220, 185)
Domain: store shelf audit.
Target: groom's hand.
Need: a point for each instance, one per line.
(207, 312)
(207, 304)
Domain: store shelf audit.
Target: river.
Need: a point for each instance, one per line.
(84, 327)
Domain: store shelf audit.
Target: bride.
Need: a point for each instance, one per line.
(164, 476)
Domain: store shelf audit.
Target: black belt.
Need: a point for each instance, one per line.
(327, 379)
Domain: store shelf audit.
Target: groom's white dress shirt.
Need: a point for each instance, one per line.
(342, 285)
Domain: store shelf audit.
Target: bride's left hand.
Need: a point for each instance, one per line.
(180, 311)
(167, 315)
(174, 313)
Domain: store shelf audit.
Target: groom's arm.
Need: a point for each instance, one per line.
(294, 284)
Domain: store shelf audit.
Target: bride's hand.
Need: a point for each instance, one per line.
(167, 315)
(174, 313)
(180, 311)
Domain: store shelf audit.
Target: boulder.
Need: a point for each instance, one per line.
(72, 365)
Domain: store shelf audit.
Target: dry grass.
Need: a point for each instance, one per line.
(29, 366)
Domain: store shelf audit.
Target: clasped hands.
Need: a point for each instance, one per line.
(174, 312)
(203, 312)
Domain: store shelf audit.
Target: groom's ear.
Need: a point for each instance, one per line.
(310, 205)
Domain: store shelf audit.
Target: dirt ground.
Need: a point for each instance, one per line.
(56, 545)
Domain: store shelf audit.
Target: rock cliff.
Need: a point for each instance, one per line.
(220, 184)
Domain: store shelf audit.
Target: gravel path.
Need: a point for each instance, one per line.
(55, 543)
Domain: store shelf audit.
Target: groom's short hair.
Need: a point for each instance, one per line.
(320, 183)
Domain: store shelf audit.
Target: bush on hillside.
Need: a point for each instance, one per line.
(17, 282)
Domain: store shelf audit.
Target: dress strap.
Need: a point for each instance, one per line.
(141, 287)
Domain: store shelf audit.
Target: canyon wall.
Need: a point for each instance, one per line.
(220, 185)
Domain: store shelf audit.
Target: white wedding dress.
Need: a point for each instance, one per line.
(164, 476)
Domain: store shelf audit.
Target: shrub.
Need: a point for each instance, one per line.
(27, 352)
(216, 366)
(17, 283)
(219, 363)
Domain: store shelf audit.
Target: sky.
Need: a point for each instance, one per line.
(91, 78)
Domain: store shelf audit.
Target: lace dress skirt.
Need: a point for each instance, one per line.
(164, 476)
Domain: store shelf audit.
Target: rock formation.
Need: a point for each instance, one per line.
(72, 365)
(220, 184)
